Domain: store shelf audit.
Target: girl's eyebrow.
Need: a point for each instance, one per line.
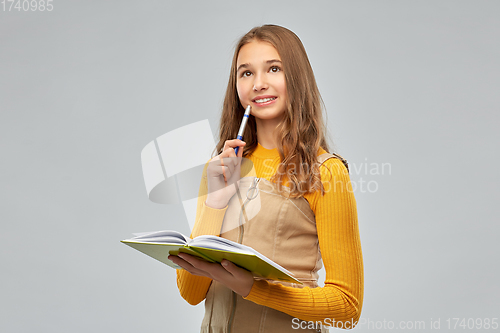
(242, 66)
(274, 60)
(248, 65)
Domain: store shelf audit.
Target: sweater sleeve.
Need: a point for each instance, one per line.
(337, 225)
(208, 222)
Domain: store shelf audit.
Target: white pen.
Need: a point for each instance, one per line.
(242, 127)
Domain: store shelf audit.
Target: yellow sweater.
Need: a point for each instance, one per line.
(337, 225)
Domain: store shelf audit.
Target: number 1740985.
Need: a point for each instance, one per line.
(27, 5)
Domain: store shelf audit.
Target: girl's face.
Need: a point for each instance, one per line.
(261, 81)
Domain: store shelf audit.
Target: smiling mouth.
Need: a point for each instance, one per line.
(263, 100)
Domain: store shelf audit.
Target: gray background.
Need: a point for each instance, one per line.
(85, 87)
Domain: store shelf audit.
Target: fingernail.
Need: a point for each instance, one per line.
(224, 263)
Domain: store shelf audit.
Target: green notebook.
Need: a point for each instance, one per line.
(160, 244)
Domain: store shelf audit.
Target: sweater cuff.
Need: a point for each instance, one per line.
(259, 293)
(210, 221)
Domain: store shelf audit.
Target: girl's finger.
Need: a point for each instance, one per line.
(229, 266)
(240, 152)
(224, 171)
(230, 163)
(231, 147)
(186, 265)
(228, 153)
(233, 144)
(209, 269)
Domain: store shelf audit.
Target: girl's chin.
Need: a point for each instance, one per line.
(268, 115)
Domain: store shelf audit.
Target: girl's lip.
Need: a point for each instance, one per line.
(265, 103)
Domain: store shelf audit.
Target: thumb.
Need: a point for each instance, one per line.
(229, 266)
(240, 150)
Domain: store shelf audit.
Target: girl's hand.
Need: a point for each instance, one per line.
(223, 174)
(235, 278)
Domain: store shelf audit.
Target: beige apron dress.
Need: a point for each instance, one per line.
(284, 230)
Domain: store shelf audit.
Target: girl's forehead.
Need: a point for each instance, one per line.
(256, 52)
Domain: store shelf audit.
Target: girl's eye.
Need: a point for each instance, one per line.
(274, 69)
(246, 74)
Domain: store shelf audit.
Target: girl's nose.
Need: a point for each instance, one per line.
(259, 83)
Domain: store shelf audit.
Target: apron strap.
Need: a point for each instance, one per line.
(323, 157)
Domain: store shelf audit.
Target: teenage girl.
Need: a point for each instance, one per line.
(301, 211)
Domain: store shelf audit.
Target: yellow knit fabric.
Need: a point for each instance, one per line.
(337, 225)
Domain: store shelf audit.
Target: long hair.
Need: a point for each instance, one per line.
(302, 130)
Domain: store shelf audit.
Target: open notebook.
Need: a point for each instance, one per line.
(160, 244)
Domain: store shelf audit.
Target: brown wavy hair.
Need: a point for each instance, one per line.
(302, 130)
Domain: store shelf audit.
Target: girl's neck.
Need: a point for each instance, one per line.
(266, 132)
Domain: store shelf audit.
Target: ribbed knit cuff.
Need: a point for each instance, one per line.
(259, 293)
(209, 222)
